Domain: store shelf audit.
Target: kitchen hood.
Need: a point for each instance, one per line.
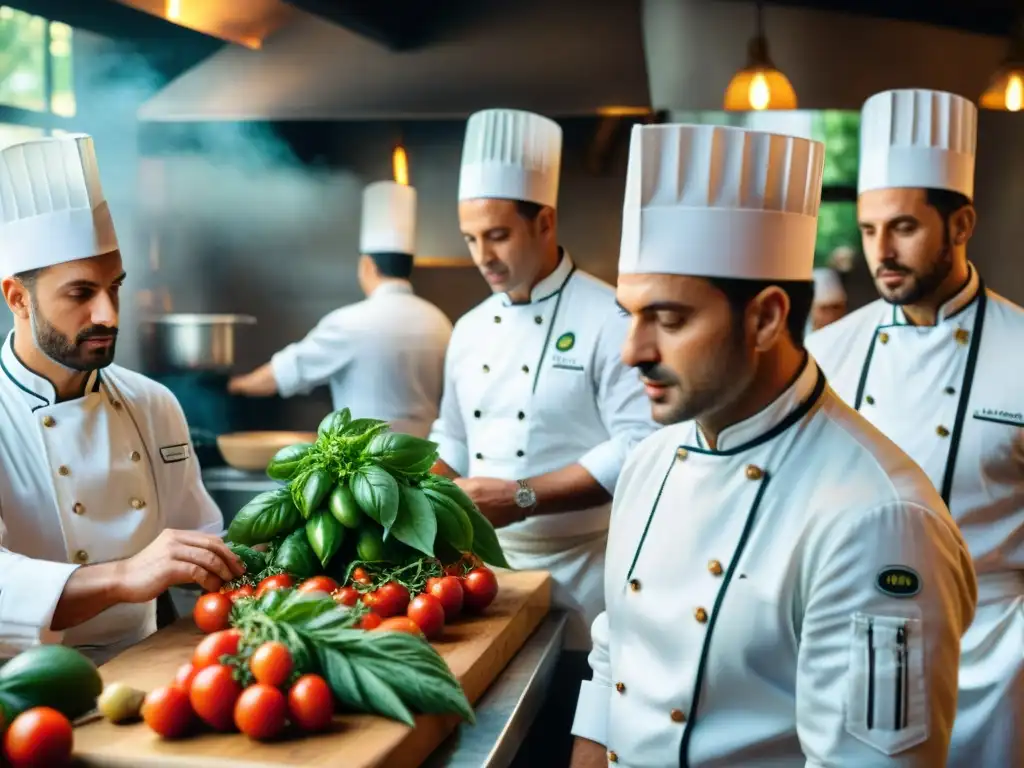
(246, 22)
(566, 58)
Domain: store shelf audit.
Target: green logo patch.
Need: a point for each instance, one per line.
(565, 342)
(898, 581)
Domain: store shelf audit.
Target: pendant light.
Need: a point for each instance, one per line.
(759, 85)
(1006, 88)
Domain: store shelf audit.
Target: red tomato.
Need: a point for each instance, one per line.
(311, 703)
(400, 624)
(167, 711)
(212, 647)
(261, 711)
(370, 621)
(271, 664)
(212, 612)
(479, 587)
(390, 599)
(347, 596)
(213, 696)
(428, 613)
(280, 581)
(360, 576)
(39, 738)
(319, 584)
(243, 591)
(447, 589)
(183, 677)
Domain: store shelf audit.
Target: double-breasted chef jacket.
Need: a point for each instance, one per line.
(532, 388)
(794, 597)
(84, 481)
(951, 396)
(383, 358)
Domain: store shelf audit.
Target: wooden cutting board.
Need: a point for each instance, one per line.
(477, 650)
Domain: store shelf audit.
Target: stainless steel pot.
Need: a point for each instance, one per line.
(191, 342)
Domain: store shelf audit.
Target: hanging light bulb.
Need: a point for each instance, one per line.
(400, 164)
(1006, 88)
(759, 85)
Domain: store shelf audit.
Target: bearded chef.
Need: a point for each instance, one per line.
(382, 357)
(101, 504)
(538, 411)
(784, 586)
(931, 364)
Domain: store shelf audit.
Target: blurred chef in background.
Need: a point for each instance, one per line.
(103, 508)
(829, 298)
(538, 411)
(383, 357)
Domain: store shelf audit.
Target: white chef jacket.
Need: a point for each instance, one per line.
(383, 357)
(745, 625)
(532, 388)
(88, 480)
(952, 396)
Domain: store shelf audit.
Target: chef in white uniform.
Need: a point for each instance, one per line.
(784, 585)
(538, 410)
(829, 298)
(101, 503)
(934, 364)
(383, 357)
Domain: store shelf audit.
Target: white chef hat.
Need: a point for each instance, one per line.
(52, 208)
(918, 138)
(389, 219)
(513, 155)
(828, 287)
(711, 201)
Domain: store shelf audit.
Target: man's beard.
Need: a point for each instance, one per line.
(72, 354)
(920, 285)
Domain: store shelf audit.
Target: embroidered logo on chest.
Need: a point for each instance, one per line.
(898, 581)
(565, 342)
(173, 453)
(999, 416)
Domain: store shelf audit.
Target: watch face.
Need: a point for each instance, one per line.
(525, 497)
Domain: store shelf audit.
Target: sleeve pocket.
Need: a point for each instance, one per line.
(886, 700)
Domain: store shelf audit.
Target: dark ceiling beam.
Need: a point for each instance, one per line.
(399, 25)
(110, 19)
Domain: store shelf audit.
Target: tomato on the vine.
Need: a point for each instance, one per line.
(183, 677)
(347, 596)
(389, 599)
(213, 696)
(243, 591)
(400, 624)
(167, 711)
(447, 589)
(40, 736)
(212, 612)
(271, 664)
(279, 581)
(212, 647)
(360, 576)
(370, 621)
(479, 586)
(311, 703)
(261, 711)
(319, 584)
(428, 613)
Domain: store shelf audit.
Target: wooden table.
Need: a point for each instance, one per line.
(477, 650)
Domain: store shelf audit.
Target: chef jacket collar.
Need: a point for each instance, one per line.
(37, 389)
(551, 284)
(954, 306)
(751, 430)
(390, 288)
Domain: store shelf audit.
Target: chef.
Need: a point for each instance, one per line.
(538, 411)
(933, 363)
(829, 298)
(101, 504)
(383, 357)
(784, 586)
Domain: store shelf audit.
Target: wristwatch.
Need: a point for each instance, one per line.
(526, 498)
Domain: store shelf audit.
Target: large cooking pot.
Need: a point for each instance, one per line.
(191, 342)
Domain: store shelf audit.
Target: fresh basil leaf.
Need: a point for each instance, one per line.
(325, 535)
(265, 516)
(376, 493)
(358, 688)
(402, 453)
(312, 490)
(286, 462)
(485, 540)
(254, 561)
(453, 524)
(302, 658)
(426, 692)
(322, 628)
(337, 671)
(302, 606)
(381, 697)
(272, 599)
(359, 427)
(334, 423)
(415, 525)
(295, 556)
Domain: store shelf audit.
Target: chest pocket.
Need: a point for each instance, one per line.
(564, 381)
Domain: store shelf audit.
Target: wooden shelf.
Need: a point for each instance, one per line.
(432, 262)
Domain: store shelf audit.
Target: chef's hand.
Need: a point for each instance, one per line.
(495, 498)
(177, 557)
(258, 383)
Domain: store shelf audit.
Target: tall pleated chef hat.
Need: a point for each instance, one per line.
(389, 219)
(52, 208)
(710, 201)
(513, 155)
(828, 287)
(920, 139)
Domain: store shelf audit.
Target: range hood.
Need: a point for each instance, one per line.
(245, 22)
(566, 58)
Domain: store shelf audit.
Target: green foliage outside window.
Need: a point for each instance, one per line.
(28, 45)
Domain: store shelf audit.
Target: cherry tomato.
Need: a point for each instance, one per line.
(428, 613)
(370, 621)
(183, 677)
(40, 737)
(167, 711)
(479, 587)
(280, 581)
(212, 612)
(271, 664)
(243, 591)
(390, 599)
(400, 624)
(311, 703)
(212, 647)
(261, 711)
(447, 589)
(213, 696)
(347, 596)
(319, 584)
(360, 576)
